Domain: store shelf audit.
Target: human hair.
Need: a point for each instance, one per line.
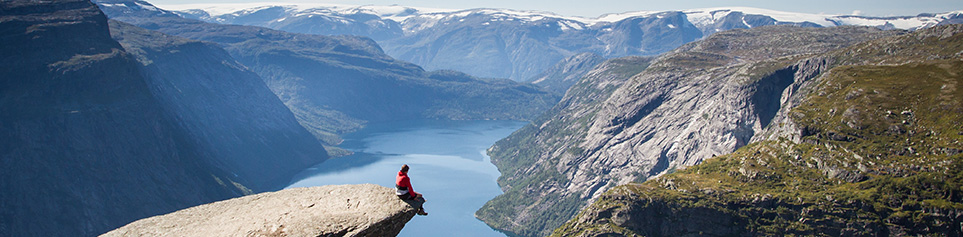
(404, 168)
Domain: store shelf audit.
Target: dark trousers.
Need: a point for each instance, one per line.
(416, 202)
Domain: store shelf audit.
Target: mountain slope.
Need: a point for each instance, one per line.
(876, 151)
(84, 146)
(704, 99)
(567, 72)
(562, 125)
(336, 84)
(521, 44)
(227, 110)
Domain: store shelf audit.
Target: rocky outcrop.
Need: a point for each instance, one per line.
(337, 210)
(703, 99)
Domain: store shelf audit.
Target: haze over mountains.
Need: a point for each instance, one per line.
(514, 44)
(336, 84)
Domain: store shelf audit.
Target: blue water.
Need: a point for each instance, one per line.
(448, 165)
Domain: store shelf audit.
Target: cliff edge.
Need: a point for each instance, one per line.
(340, 210)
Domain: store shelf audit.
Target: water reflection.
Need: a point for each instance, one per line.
(448, 165)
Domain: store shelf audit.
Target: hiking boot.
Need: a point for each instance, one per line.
(422, 213)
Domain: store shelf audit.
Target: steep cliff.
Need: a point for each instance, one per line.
(875, 150)
(84, 146)
(226, 109)
(337, 210)
(562, 125)
(703, 99)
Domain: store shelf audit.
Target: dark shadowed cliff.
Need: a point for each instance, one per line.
(226, 109)
(84, 146)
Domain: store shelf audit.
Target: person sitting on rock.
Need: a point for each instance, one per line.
(406, 192)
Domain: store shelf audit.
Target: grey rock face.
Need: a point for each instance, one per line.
(706, 98)
(336, 210)
(553, 134)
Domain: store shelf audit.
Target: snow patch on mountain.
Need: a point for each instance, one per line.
(414, 19)
(704, 17)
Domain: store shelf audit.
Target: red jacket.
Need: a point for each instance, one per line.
(403, 181)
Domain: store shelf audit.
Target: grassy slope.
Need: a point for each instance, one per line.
(880, 154)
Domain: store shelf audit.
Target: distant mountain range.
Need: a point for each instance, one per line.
(336, 84)
(519, 45)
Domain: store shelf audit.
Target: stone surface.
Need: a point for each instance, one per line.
(335, 210)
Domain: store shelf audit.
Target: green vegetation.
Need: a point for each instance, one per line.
(879, 154)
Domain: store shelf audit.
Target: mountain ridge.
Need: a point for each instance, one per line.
(403, 13)
(515, 44)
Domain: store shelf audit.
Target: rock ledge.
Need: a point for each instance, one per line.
(362, 209)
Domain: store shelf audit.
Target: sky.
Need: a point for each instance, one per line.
(595, 8)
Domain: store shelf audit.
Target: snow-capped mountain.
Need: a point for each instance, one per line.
(521, 44)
